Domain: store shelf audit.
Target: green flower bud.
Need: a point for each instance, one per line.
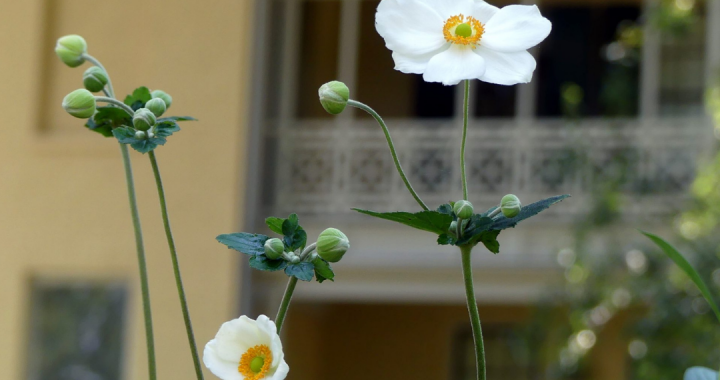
(332, 245)
(144, 119)
(80, 103)
(334, 96)
(95, 79)
(140, 135)
(274, 248)
(151, 135)
(510, 206)
(160, 94)
(463, 209)
(453, 228)
(156, 106)
(70, 50)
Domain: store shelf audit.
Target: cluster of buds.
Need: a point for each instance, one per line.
(331, 246)
(509, 206)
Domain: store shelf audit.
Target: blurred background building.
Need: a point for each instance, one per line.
(614, 116)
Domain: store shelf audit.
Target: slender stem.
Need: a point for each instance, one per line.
(466, 251)
(115, 102)
(308, 250)
(466, 111)
(282, 311)
(97, 63)
(380, 121)
(176, 267)
(144, 285)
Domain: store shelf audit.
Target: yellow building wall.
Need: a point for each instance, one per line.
(63, 202)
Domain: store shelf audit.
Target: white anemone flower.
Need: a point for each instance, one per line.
(452, 40)
(246, 349)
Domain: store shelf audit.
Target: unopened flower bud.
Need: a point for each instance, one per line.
(144, 119)
(334, 96)
(140, 135)
(156, 106)
(95, 79)
(80, 103)
(151, 135)
(453, 228)
(70, 50)
(463, 209)
(332, 245)
(160, 94)
(510, 206)
(274, 248)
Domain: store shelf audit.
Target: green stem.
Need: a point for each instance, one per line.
(466, 251)
(466, 114)
(380, 121)
(115, 102)
(144, 284)
(176, 267)
(282, 311)
(97, 63)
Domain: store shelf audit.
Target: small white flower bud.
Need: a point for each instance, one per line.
(70, 50)
(95, 79)
(140, 135)
(80, 103)
(332, 245)
(510, 206)
(156, 106)
(334, 96)
(151, 135)
(274, 248)
(463, 209)
(144, 119)
(160, 94)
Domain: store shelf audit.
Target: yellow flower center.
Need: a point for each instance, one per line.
(463, 30)
(255, 363)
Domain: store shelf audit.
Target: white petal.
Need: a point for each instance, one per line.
(483, 11)
(448, 8)
(267, 326)
(414, 64)
(409, 26)
(453, 65)
(223, 369)
(507, 68)
(280, 373)
(235, 337)
(515, 28)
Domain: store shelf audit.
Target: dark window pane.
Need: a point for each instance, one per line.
(320, 34)
(76, 331)
(492, 100)
(573, 57)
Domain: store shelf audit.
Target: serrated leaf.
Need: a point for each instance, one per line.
(446, 239)
(146, 145)
(323, 271)
(176, 118)
(249, 244)
(105, 129)
(290, 225)
(294, 235)
(303, 271)
(685, 265)
(166, 129)
(477, 225)
(501, 222)
(431, 221)
(138, 98)
(275, 224)
(107, 118)
(262, 262)
(125, 135)
(445, 209)
(700, 373)
(489, 239)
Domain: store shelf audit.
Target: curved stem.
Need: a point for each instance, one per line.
(380, 121)
(308, 250)
(139, 246)
(466, 251)
(466, 112)
(176, 267)
(97, 63)
(115, 102)
(282, 311)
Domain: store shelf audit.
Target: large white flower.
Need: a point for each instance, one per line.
(246, 349)
(451, 40)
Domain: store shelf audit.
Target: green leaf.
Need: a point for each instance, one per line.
(680, 260)
(176, 118)
(249, 244)
(294, 235)
(323, 271)
(125, 135)
(489, 239)
(477, 225)
(528, 211)
(107, 118)
(446, 239)
(431, 221)
(105, 129)
(303, 271)
(445, 209)
(290, 225)
(275, 224)
(139, 97)
(700, 373)
(262, 262)
(166, 129)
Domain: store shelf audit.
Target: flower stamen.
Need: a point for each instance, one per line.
(255, 362)
(463, 30)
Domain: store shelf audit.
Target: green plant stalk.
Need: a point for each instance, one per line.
(285, 304)
(466, 251)
(139, 245)
(176, 267)
(144, 285)
(391, 145)
(466, 115)
(115, 102)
